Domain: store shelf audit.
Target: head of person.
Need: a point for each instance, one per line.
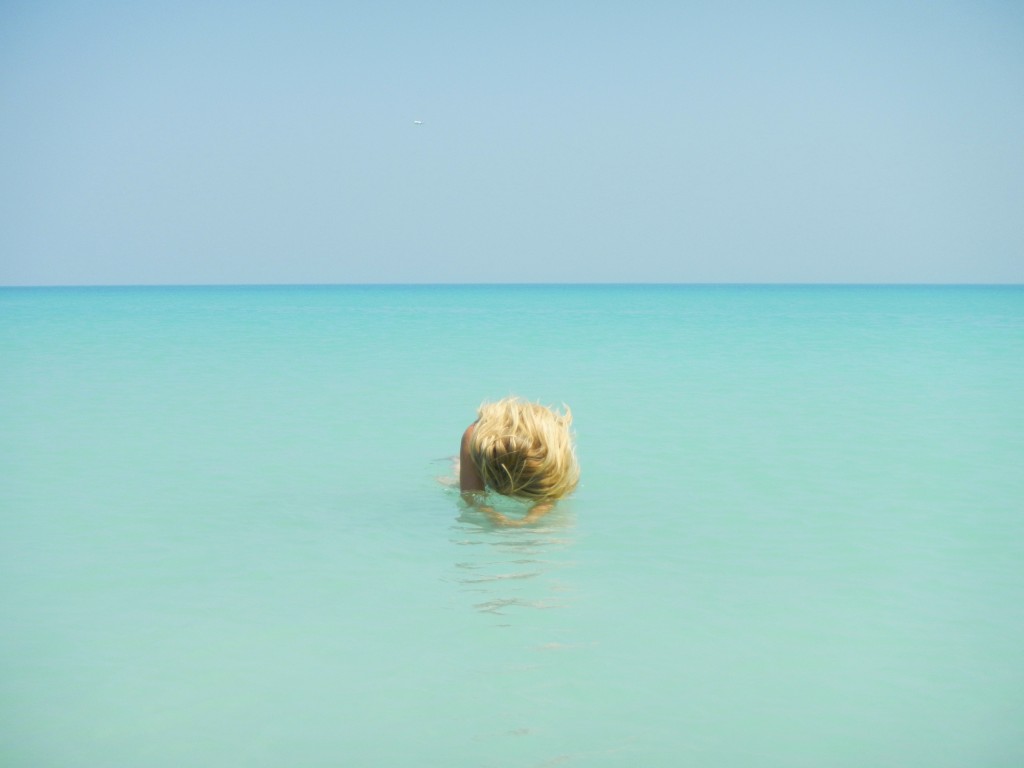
(525, 450)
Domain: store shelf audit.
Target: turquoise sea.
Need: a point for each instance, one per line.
(227, 538)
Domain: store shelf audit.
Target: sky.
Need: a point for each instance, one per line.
(562, 141)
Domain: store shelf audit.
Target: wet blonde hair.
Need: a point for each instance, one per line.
(525, 450)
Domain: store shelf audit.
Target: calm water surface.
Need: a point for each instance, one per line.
(799, 538)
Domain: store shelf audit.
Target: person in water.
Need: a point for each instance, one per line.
(522, 450)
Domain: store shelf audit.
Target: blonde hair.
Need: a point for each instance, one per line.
(525, 450)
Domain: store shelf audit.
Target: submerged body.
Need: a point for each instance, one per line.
(522, 450)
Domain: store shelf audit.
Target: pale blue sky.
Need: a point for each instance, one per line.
(194, 142)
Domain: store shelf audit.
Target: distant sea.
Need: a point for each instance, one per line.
(227, 537)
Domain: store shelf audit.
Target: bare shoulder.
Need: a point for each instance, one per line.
(469, 478)
(467, 436)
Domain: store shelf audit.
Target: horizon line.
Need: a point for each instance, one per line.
(555, 284)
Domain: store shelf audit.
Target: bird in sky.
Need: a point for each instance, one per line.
(417, 122)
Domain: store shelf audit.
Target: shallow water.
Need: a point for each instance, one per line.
(798, 540)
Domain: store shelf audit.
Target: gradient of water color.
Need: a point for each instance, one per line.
(799, 538)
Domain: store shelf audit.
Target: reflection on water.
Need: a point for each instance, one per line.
(520, 586)
(504, 570)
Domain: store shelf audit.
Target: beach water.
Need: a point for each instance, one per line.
(227, 537)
